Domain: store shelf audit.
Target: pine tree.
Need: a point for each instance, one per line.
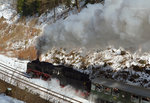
(31, 7)
(20, 4)
(68, 3)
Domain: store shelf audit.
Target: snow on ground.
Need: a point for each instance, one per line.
(7, 99)
(52, 85)
(8, 12)
(111, 63)
(14, 62)
(48, 17)
(22, 44)
(117, 64)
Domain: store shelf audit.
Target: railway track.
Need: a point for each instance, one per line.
(17, 78)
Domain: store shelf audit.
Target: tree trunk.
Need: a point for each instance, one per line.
(54, 12)
(77, 5)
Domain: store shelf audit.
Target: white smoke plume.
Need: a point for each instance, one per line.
(54, 85)
(123, 23)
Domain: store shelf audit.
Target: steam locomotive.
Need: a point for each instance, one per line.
(65, 75)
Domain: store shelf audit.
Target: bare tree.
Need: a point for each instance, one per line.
(77, 5)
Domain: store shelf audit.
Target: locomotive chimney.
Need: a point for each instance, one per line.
(37, 59)
(38, 55)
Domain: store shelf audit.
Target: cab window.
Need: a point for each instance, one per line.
(107, 90)
(115, 92)
(99, 88)
(134, 99)
(145, 100)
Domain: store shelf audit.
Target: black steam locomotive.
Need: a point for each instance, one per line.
(65, 75)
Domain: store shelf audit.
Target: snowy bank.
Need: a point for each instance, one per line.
(7, 99)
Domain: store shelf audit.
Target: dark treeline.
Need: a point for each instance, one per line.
(31, 7)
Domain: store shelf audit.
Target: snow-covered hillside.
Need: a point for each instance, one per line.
(118, 64)
(117, 22)
(18, 35)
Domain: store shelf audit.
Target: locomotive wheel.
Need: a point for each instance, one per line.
(45, 77)
(62, 83)
(31, 74)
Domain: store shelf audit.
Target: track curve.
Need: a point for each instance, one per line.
(17, 76)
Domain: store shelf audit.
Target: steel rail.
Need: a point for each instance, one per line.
(34, 85)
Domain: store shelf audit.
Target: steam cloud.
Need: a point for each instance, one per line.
(123, 23)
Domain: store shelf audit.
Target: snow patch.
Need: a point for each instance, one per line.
(7, 99)
(8, 12)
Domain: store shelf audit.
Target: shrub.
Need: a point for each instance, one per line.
(28, 7)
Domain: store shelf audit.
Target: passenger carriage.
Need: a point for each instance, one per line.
(110, 91)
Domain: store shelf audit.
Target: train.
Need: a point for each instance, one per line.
(111, 91)
(98, 90)
(66, 75)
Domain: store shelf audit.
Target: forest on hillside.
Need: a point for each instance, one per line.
(31, 7)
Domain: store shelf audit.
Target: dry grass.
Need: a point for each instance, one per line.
(70, 58)
(29, 53)
(11, 33)
(33, 22)
(21, 94)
